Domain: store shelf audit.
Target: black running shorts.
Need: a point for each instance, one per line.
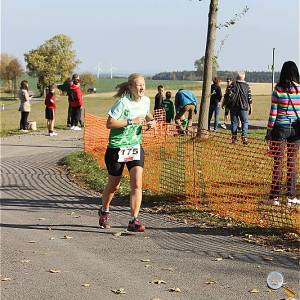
(116, 168)
(49, 113)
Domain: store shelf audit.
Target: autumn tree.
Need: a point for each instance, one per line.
(199, 66)
(53, 61)
(10, 70)
(14, 71)
(208, 65)
(87, 79)
(209, 59)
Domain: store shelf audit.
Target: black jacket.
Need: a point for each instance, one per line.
(215, 94)
(239, 95)
(158, 104)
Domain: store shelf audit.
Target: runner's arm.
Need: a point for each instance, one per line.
(113, 123)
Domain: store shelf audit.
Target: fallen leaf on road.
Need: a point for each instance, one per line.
(289, 292)
(86, 284)
(41, 219)
(146, 237)
(230, 257)
(155, 299)
(54, 271)
(254, 291)
(147, 266)
(168, 269)
(158, 281)
(31, 242)
(268, 258)
(176, 289)
(118, 233)
(71, 213)
(210, 282)
(218, 259)
(185, 221)
(67, 237)
(278, 250)
(6, 279)
(77, 216)
(52, 238)
(145, 260)
(119, 291)
(25, 260)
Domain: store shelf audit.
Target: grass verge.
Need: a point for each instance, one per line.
(85, 170)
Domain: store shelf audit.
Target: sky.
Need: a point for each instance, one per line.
(151, 36)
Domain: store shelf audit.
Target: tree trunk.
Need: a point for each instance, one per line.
(208, 64)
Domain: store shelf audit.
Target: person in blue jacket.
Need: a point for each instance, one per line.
(185, 102)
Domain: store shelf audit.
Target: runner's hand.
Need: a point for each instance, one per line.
(151, 124)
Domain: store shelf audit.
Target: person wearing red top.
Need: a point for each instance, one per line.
(50, 102)
(76, 102)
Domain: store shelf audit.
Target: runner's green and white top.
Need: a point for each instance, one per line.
(126, 108)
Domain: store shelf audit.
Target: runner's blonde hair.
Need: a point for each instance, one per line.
(124, 87)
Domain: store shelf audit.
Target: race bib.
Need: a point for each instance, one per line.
(129, 153)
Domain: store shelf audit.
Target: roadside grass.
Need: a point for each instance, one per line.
(84, 169)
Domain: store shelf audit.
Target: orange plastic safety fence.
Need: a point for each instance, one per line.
(212, 174)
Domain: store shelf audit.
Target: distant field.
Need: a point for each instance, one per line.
(100, 102)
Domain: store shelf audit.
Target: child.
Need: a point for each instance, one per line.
(50, 102)
(168, 107)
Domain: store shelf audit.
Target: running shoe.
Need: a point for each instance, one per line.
(245, 140)
(136, 226)
(272, 201)
(292, 201)
(104, 219)
(223, 126)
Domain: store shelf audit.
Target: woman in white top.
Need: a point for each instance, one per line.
(24, 105)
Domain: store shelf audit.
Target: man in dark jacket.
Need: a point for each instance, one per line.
(214, 105)
(240, 104)
(159, 97)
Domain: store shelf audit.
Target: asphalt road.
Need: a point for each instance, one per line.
(50, 223)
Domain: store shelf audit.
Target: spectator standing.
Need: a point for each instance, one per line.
(25, 105)
(168, 106)
(50, 102)
(240, 105)
(185, 102)
(223, 105)
(66, 88)
(125, 120)
(284, 132)
(214, 105)
(159, 97)
(75, 97)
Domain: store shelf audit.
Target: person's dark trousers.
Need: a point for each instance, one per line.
(23, 121)
(278, 149)
(214, 109)
(69, 121)
(235, 114)
(75, 116)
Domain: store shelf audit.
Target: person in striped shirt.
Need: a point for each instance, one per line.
(284, 129)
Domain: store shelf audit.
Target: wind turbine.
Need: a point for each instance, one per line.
(99, 69)
(111, 70)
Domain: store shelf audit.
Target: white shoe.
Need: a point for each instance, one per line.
(76, 128)
(72, 127)
(23, 130)
(223, 126)
(274, 201)
(291, 201)
(52, 134)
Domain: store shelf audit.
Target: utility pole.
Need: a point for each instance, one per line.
(273, 69)
(208, 63)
